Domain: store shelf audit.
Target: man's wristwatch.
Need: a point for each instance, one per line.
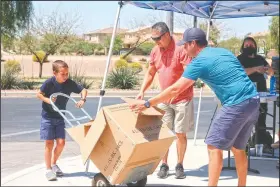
(83, 100)
(147, 104)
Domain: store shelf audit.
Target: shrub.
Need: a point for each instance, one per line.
(122, 78)
(12, 66)
(121, 64)
(41, 55)
(80, 79)
(136, 67)
(147, 47)
(127, 58)
(9, 80)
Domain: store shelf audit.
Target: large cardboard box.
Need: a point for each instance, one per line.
(123, 145)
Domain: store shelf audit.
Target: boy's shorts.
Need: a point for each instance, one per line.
(178, 117)
(52, 128)
(232, 126)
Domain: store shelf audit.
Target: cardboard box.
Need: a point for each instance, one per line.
(123, 145)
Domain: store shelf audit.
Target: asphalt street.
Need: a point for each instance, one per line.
(21, 146)
(20, 117)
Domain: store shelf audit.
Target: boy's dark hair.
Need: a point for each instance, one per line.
(245, 39)
(59, 64)
(200, 43)
(161, 27)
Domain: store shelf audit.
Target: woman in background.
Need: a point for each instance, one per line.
(257, 68)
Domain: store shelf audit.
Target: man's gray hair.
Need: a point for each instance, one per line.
(161, 27)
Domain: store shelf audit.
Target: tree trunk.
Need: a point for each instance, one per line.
(40, 70)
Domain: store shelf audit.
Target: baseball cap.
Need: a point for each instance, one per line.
(192, 34)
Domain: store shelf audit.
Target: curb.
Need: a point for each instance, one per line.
(29, 170)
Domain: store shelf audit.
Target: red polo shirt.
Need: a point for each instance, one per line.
(170, 67)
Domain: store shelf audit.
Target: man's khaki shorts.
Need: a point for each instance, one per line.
(179, 117)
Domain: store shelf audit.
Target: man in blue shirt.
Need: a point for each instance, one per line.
(232, 125)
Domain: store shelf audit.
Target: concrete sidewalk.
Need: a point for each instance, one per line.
(195, 164)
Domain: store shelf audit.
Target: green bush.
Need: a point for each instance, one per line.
(127, 58)
(147, 47)
(122, 78)
(136, 67)
(121, 64)
(41, 55)
(12, 66)
(9, 80)
(80, 79)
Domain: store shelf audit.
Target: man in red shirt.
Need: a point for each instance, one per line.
(169, 61)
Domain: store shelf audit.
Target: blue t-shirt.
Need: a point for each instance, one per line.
(223, 73)
(51, 86)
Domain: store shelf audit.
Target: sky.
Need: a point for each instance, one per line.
(101, 14)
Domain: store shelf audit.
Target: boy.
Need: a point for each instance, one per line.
(52, 124)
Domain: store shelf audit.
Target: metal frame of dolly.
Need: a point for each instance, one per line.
(87, 116)
(229, 167)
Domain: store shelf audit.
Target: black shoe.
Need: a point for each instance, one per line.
(179, 172)
(163, 172)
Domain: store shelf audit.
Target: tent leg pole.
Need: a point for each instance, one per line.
(208, 29)
(197, 116)
(102, 91)
(195, 22)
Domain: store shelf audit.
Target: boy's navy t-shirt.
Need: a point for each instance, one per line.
(51, 86)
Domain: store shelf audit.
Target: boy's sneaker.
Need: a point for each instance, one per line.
(57, 170)
(50, 175)
(163, 172)
(179, 169)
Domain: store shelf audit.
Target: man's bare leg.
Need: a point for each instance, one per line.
(181, 146)
(215, 165)
(241, 163)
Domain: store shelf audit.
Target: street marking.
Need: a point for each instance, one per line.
(18, 133)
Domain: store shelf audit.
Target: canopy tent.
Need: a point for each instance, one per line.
(214, 9)
(202, 9)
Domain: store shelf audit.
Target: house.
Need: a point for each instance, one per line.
(143, 33)
(130, 37)
(99, 36)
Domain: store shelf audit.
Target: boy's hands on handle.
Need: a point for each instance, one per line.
(80, 103)
(53, 99)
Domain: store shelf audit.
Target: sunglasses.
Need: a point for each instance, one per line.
(157, 38)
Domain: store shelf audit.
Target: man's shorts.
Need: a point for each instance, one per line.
(232, 126)
(52, 128)
(178, 117)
